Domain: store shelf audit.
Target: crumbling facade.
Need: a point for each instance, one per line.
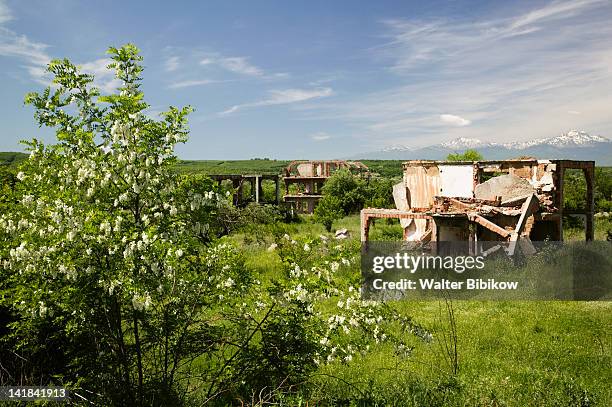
(309, 177)
(514, 201)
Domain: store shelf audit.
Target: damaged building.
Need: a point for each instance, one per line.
(514, 201)
(304, 180)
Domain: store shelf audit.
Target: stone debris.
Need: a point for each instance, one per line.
(402, 201)
(507, 187)
(342, 234)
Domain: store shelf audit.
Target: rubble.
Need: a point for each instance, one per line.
(342, 234)
(507, 187)
(523, 201)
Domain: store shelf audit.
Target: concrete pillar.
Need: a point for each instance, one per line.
(561, 181)
(238, 199)
(256, 187)
(365, 227)
(589, 175)
(434, 236)
(277, 190)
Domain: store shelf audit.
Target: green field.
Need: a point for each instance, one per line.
(386, 168)
(9, 158)
(510, 353)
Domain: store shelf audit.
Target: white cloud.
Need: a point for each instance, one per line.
(511, 78)
(32, 54)
(238, 65)
(282, 97)
(35, 57)
(454, 120)
(320, 136)
(14, 45)
(104, 78)
(191, 83)
(172, 63)
(554, 10)
(574, 112)
(5, 12)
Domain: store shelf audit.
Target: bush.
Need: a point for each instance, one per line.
(467, 155)
(354, 192)
(328, 210)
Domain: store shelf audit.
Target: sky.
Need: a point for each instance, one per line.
(327, 79)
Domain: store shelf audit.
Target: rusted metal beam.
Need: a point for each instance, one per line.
(460, 204)
(474, 217)
(394, 213)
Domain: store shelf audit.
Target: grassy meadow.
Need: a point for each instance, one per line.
(510, 353)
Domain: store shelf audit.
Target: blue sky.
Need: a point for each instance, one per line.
(328, 79)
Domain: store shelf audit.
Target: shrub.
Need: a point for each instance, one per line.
(467, 155)
(328, 210)
(354, 192)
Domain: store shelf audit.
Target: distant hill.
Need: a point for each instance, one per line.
(574, 145)
(8, 158)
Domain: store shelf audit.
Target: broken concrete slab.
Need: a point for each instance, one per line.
(342, 234)
(401, 197)
(506, 187)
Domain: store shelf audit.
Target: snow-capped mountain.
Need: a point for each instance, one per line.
(462, 143)
(396, 148)
(572, 138)
(575, 144)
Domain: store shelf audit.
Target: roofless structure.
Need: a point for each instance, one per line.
(515, 201)
(308, 178)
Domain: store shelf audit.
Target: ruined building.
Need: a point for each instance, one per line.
(514, 201)
(304, 180)
(255, 187)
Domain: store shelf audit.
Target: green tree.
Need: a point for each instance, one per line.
(355, 192)
(467, 155)
(347, 188)
(100, 250)
(328, 210)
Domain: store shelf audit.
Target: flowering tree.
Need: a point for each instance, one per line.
(101, 246)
